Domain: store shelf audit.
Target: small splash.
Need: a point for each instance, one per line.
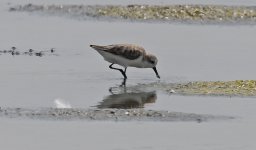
(60, 103)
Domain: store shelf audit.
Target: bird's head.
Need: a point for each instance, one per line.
(151, 62)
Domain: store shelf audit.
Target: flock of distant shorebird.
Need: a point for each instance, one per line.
(31, 52)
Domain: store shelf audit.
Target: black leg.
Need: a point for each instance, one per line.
(123, 72)
(123, 83)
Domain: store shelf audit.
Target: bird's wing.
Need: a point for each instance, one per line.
(124, 50)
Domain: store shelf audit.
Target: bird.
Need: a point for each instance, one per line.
(13, 50)
(127, 55)
(40, 54)
(52, 50)
(30, 50)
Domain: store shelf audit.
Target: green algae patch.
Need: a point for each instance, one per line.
(217, 88)
(179, 12)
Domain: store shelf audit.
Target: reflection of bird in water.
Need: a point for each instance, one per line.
(128, 100)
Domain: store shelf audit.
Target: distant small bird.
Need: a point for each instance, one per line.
(127, 55)
(40, 54)
(30, 50)
(12, 51)
(52, 50)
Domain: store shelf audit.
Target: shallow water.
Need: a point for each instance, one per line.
(79, 74)
(80, 78)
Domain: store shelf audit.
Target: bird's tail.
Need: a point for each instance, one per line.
(97, 47)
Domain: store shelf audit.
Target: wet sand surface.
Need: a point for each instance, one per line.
(106, 115)
(79, 79)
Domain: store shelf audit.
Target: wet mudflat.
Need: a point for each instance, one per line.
(78, 81)
(67, 114)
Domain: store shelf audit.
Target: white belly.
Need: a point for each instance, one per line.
(115, 59)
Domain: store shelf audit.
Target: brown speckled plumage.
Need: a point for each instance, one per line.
(128, 51)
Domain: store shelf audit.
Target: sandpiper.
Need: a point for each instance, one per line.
(52, 50)
(127, 55)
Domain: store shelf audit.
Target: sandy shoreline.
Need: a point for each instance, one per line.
(188, 14)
